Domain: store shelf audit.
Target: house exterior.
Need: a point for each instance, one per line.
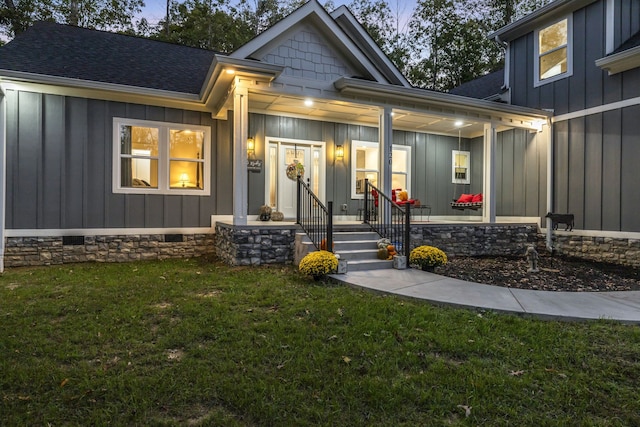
(119, 148)
(580, 59)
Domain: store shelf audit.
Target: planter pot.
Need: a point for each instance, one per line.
(429, 268)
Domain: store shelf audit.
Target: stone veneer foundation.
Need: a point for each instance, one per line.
(274, 243)
(622, 251)
(255, 244)
(29, 251)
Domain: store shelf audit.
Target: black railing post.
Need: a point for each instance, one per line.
(330, 227)
(407, 231)
(298, 201)
(365, 214)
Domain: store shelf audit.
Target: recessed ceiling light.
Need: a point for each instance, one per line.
(458, 123)
(308, 102)
(230, 71)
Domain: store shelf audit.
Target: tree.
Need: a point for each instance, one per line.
(384, 27)
(206, 24)
(17, 15)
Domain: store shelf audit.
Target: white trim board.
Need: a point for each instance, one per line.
(56, 232)
(599, 109)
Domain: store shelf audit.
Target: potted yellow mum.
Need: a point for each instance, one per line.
(427, 257)
(318, 264)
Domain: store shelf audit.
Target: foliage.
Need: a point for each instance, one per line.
(187, 342)
(17, 15)
(429, 256)
(385, 28)
(318, 263)
(205, 24)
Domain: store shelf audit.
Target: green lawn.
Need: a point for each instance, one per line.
(188, 342)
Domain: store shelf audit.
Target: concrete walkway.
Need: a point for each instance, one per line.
(622, 306)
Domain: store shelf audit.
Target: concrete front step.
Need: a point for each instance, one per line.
(358, 254)
(358, 248)
(369, 264)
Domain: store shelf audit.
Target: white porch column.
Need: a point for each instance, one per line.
(548, 133)
(3, 173)
(240, 134)
(385, 136)
(489, 184)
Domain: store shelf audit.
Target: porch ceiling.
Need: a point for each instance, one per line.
(350, 112)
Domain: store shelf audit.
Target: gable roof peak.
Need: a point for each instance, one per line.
(373, 64)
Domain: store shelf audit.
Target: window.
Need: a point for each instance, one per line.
(160, 158)
(366, 159)
(460, 167)
(553, 56)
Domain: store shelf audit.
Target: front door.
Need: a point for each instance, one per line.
(284, 162)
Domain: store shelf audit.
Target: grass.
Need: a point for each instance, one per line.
(186, 342)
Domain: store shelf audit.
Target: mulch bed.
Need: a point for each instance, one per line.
(556, 274)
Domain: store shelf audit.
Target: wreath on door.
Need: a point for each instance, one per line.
(294, 169)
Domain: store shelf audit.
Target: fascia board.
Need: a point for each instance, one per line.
(390, 95)
(96, 90)
(216, 89)
(318, 15)
(343, 16)
(240, 67)
(619, 62)
(537, 18)
(88, 84)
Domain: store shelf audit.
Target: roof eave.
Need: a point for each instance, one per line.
(537, 18)
(621, 61)
(100, 90)
(446, 101)
(343, 16)
(224, 71)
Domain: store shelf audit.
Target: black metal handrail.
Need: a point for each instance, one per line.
(315, 219)
(387, 218)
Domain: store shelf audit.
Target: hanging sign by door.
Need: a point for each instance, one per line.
(254, 165)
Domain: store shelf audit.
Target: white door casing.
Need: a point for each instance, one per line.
(280, 189)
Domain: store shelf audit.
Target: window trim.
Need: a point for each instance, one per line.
(536, 53)
(355, 144)
(164, 159)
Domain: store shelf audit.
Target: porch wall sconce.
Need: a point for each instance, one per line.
(339, 152)
(251, 147)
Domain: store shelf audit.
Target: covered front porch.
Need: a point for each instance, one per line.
(434, 146)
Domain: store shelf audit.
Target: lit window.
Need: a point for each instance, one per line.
(553, 58)
(164, 158)
(366, 166)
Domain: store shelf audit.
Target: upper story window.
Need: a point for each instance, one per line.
(160, 158)
(553, 56)
(366, 166)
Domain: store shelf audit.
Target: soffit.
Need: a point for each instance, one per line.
(356, 113)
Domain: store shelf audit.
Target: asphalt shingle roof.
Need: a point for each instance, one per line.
(65, 51)
(631, 42)
(482, 87)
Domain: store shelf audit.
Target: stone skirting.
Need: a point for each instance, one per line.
(623, 251)
(255, 245)
(31, 251)
(476, 240)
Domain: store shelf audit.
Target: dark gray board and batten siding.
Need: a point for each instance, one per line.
(59, 167)
(589, 86)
